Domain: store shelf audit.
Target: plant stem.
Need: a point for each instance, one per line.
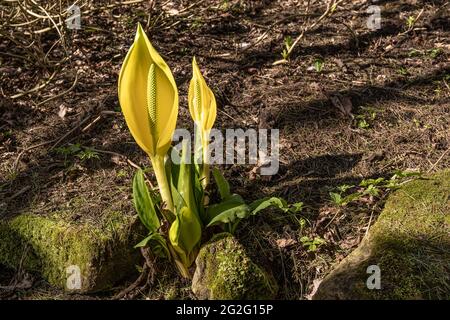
(180, 266)
(205, 167)
(205, 175)
(163, 184)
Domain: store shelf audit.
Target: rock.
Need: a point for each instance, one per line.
(224, 271)
(410, 243)
(60, 248)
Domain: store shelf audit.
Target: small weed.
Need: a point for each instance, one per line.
(121, 173)
(403, 71)
(225, 5)
(76, 150)
(372, 190)
(419, 124)
(343, 188)
(398, 176)
(287, 44)
(434, 53)
(362, 122)
(68, 151)
(312, 244)
(11, 174)
(415, 53)
(342, 201)
(365, 119)
(318, 65)
(87, 154)
(7, 134)
(371, 187)
(369, 182)
(410, 22)
(196, 24)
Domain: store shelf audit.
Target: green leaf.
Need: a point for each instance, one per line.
(312, 244)
(372, 190)
(199, 197)
(144, 242)
(185, 184)
(305, 239)
(222, 184)
(261, 204)
(318, 65)
(144, 203)
(345, 187)
(296, 207)
(368, 182)
(351, 197)
(336, 198)
(399, 174)
(228, 210)
(333, 7)
(185, 234)
(157, 243)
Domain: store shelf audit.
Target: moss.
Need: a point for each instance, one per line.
(103, 250)
(410, 242)
(224, 271)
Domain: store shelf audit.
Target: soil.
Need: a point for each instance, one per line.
(351, 104)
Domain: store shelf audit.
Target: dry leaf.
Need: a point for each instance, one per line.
(316, 284)
(62, 111)
(283, 243)
(343, 103)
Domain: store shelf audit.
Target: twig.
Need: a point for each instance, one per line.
(62, 93)
(439, 160)
(16, 163)
(20, 192)
(36, 88)
(105, 112)
(191, 6)
(411, 27)
(370, 222)
(261, 37)
(148, 275)
(135, 284)
(70, 132)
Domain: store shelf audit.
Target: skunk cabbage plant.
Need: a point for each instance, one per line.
(177, 217)
(148, 97)
(203, 110)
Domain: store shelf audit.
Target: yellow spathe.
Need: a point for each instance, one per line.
(148, 96)
(202, 103)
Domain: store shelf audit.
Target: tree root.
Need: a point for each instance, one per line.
(145, 280)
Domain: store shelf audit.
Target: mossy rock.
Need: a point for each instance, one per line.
(225, 272)
(58, 247)
(410, 243)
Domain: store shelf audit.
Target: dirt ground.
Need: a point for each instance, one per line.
(351, 104)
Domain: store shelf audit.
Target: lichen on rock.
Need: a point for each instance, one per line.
(55, 247)
(224, 271)
(410, 243)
